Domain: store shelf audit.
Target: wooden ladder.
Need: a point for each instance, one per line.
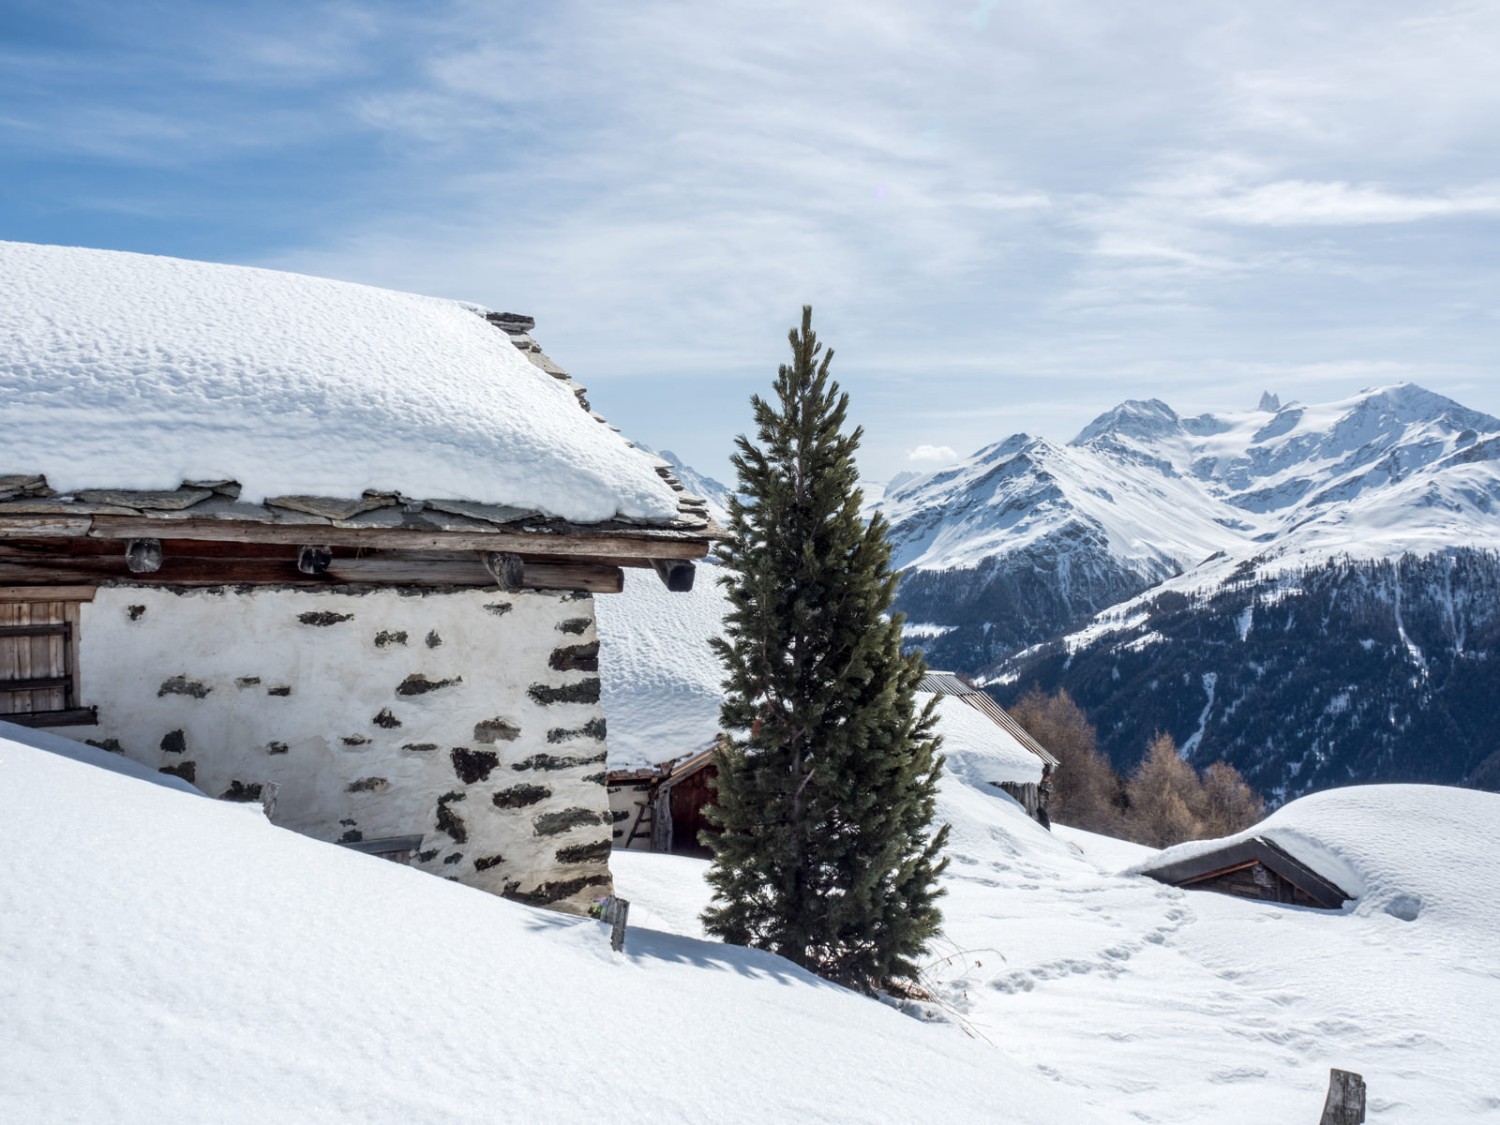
(645, 820)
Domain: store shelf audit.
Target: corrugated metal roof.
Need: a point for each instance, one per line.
(947, 683)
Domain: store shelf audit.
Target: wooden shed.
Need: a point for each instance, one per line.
(1255, 868)
(661, 809)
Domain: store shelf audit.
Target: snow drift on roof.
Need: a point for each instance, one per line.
(140, 372)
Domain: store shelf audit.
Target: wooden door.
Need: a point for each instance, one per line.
(38, 656)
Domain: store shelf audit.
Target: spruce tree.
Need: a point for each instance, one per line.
(826, 852)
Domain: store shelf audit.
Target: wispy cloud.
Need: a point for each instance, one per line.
(1302, 203)
(932, 454)
(1013, 215)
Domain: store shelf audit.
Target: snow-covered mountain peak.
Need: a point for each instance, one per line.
(1144, 494)
(1148, 420)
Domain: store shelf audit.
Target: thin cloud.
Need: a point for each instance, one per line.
(932, 454)
(1304, 203)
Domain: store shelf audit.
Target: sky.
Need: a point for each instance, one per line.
(1007, 216)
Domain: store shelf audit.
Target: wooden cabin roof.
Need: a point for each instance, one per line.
(1234, 856)
(126, 364)
(947, 683)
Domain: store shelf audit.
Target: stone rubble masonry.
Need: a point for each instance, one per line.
(488, 742)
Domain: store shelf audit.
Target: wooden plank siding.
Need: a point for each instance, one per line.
(39, 647)
(34, 658)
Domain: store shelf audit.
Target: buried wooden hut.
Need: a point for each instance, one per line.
(330, 547)
(660, 808)
(1255, 868)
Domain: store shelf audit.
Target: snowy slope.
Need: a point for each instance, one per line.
(140, 372)
(661, 684)
(1153, 1004)
(164, 957)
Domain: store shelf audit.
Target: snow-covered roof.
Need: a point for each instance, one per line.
(129, 371)
(1011, 732)
(978, 750)
(1401, 849)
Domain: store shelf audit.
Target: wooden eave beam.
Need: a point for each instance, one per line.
(572, 544)
(424, 569)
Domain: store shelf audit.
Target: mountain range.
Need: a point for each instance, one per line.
(1303, 590)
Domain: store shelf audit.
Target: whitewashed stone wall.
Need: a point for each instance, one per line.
(471, 717)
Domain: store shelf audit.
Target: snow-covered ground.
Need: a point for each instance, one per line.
(164, 957)
(1149, 1003)
(169, 958)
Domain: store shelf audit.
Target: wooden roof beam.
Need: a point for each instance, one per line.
(578, 543)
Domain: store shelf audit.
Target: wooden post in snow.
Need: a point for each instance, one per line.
(616, 911)
(1346, 1099)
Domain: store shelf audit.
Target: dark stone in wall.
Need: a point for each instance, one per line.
(174, 742)
(619, 815)
(519, 796)
(282, 690)
(355, 740)
(594, 728)
(455, 857)
(473, 765)
(276, 748)
(575, 658)
(584, 691)
(545, 893)
(322, 618)
(386, 719)
(449, 821)
(484, 863)
(110, 744)
(418, 684)
(499, 609)
(385, 638)
(134, 612)
(574, 625)
(554, 823)
(600, 778)
(247, 681)
(433, 640)
(490, 731)
(188, 771)
(241, 791)
(553, 762)
(420, 747)
(427, 856)
(585, 853)
(352, 836)
(181, 685)
(368, 785)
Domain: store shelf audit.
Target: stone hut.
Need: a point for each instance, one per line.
(326, 547)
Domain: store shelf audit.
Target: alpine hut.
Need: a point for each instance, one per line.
(327, 546)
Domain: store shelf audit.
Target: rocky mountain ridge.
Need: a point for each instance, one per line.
(1028, 539)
